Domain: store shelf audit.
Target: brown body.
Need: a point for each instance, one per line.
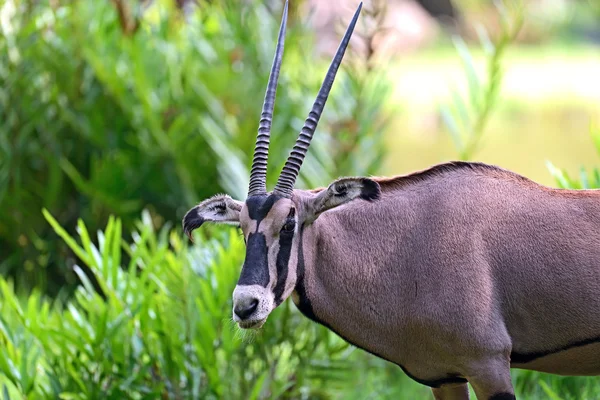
(458, 265)
(456, 273)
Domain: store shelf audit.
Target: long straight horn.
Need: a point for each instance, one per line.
(285, 183)
(258, 173)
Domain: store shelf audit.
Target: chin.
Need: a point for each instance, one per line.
(254, 325)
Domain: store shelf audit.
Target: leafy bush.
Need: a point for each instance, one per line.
(586, 179)
(468, 116)
(160, 328)
(108, 110)
(537, 385)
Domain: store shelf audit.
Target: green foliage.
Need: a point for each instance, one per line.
(536, 385)
(159, 327)
(467, 118)
(108, 110)
(586, 180)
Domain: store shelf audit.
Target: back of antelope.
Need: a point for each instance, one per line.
(456, 273)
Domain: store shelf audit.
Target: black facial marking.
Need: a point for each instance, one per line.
(305, 307)
(192, 221)
(256, 265)
(304, 303)
(283, 259)
(503, 396)
(259, 206)
(370, 190)
(522, 358)
(290, 223)
(256, 268)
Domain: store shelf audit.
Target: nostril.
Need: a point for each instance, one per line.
(245, 309)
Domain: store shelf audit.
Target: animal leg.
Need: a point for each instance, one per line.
(491, 381)
(451, 392)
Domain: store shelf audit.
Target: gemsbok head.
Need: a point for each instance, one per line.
(456, 273)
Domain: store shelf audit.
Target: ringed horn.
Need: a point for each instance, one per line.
(258, 173)
(287, 178)
(289, 174)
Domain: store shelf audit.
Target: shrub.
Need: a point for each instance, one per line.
(585, 179)
(108, 110)
(468, 115)
(159, 328)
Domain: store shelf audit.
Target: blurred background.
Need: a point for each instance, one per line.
(118, 116)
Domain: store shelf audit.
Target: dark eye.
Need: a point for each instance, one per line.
(289, 226)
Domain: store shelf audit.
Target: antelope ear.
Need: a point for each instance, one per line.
(220, 208)
(342, 191)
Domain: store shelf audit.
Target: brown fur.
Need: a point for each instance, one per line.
(474, 168)
(456, 273)
(457, 267)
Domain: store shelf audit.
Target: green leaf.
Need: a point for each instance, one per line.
(471, 73)
(560, 177)
(584, 179)
(484, 39)
(548, 391)
(258, 386)
(452, 126)
(80, 252)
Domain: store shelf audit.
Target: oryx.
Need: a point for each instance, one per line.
(456, 273)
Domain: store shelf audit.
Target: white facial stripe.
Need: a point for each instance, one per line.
(276, 215)
(272, 260)
(249, 225)
(290, 281)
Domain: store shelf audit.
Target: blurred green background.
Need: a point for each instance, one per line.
(117, 116)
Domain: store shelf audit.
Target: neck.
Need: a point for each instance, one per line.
(339, 287)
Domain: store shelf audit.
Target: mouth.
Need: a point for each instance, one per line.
(251, 324)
